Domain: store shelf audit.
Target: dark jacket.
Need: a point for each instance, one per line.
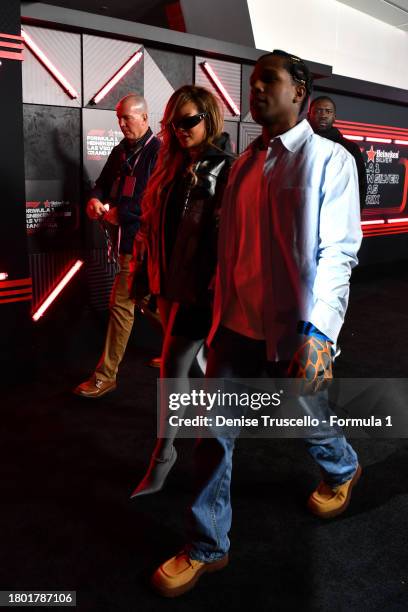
(335, 135)
(186, 276)
(116, 167)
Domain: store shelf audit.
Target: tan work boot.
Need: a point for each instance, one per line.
(180, 574)
(95, 387)
(328, 502)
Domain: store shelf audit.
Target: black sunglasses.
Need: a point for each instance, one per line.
(189, 122)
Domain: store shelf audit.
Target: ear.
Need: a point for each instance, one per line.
(300, 93)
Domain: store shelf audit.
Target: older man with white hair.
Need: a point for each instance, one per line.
(121, 184)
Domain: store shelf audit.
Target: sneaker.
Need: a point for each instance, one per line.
(327, 502)
(180, 574)
(95, 387)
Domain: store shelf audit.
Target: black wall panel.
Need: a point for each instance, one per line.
(383, 249)
(12, 236)
(177, 67)
(231, 127)
(53, 177)
(100, 133)
(15, 291)
(52, 143)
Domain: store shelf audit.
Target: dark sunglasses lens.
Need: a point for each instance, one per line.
(187, 123)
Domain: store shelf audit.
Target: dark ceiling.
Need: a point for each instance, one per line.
(151, 12)
(169, 14)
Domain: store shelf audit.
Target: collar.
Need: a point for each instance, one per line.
(130, 149)
(293, 139)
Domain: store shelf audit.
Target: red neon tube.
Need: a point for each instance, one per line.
(400, 220)
(377, 139)
(216, 81)
(116, 78)
(55, 292)
(49, 65)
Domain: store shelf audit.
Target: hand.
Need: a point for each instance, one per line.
(95, 209)
(312, 363)
(112, 216)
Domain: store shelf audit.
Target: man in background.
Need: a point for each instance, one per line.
(121, 184)
(321, 116)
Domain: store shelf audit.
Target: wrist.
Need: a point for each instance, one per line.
(308, 329)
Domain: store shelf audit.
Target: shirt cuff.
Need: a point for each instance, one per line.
(308, 329)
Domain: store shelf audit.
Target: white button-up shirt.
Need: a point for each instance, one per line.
(289, 235)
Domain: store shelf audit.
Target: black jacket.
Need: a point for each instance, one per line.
(191, 267)
(335, 135)
(116, 168)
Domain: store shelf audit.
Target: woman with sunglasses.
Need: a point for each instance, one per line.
(179, 228)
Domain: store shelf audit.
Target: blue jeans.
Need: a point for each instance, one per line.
(235, 356)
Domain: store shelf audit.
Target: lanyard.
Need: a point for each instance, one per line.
(132, 168)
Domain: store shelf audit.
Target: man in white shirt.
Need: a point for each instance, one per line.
(289, 236)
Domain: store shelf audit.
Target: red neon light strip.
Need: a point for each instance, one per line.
(12, 45)
(366, 134)
(17, 299)
(372, 139)
(49, 65)
(13, 36)
(357, 124)
(16, 292)
(14, 55)
(373, 130)
(116, 78)
(55, 292)
(400, 220)
(216, 81)
(386, 230)
(15, 283)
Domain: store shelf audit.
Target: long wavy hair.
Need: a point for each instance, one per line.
(172, 157)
